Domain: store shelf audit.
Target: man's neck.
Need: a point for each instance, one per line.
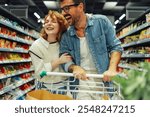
(81, 24)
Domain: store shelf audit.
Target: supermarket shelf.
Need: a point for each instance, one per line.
(5, 23)
(23, 93)
(13, 50)
(17, 73)
(139, 42)
(136, 30)
(14, 86)
(17, 39)
(15, 61)
(129, 67)
(140, 17)
(13, 17)
(136, 56)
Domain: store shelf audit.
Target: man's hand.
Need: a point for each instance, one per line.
(108, 74)
(79, 72)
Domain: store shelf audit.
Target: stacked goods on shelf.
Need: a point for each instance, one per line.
(141, 23)
(7, 85)
(16, 71)
(135, 38)
(10, 57)
(148, 17)
(144, 34)
(130, 28)
(12, 35)
(13, 45)
(14, 25)
(14, 68)
(138, 50)
(19, 91)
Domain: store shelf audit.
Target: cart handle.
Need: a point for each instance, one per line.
(44, 73)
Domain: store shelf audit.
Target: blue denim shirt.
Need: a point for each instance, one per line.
(101, 38)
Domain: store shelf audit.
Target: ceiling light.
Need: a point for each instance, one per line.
(37, 15)
(122, 16)
(109, 5)
(39, 20)
(6, 4)
(51, 4)
(42, 20)
(117, 21)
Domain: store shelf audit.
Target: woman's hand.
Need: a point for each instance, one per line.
(64, 58)
(78, 72)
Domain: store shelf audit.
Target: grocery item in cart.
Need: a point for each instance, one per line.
(45, 95)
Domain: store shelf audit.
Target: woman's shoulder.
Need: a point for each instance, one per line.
(38, 41)
(35, 44)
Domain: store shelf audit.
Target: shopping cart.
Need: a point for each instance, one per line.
(99, 90)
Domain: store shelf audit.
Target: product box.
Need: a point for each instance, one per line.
(148, 17)
(2, 43)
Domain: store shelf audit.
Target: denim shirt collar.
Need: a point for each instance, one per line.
(90, 22)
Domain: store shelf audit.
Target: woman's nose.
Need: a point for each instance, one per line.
(49, 23)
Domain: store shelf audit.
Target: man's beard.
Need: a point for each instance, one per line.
(69, 19)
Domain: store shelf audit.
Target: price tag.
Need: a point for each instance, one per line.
(13, 74)
(147, 55)
(11, 49)
(5, 36)
(138, 42)
(8, 75)
(1, 92)
(11, 61)
(6, 89)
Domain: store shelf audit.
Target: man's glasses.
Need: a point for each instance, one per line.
(67, 8)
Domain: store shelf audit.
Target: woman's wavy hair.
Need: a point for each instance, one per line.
(63, 25)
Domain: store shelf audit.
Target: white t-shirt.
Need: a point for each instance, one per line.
(86, 57)
(88, 64)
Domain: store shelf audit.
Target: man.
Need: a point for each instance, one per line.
(91, 42)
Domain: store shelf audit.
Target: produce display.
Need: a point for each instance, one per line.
(136, 86)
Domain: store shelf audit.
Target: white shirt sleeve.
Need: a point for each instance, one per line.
(40, 65)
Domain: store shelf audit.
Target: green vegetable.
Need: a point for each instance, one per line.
(137, 86)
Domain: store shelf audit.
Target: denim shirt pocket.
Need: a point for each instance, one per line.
(100, 44)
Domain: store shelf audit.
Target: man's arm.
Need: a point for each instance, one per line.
(112, 70)
(114, 60)
(114, 48)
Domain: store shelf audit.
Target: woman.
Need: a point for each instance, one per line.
(45, 51)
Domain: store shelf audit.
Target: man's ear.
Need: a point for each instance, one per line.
(81, 7)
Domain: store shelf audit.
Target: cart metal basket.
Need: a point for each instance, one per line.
(104, 92)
